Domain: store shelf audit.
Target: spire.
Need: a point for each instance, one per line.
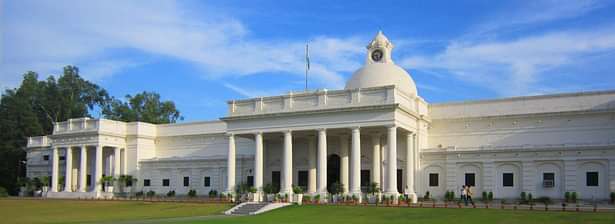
(379, 49)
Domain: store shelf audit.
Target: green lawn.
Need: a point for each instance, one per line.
(66, 211)
(344, 214)
(72, 211)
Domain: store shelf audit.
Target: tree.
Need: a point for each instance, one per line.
(145, 107)
(33, 108)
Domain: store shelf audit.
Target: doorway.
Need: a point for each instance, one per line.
(333, 171)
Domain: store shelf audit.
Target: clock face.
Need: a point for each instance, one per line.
(377, 55)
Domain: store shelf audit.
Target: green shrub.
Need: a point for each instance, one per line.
(3, 192)
(192, 193)
(297, 190)
(171, 193)
(523, 196)
(427, 196)
(567, 196)
(307, 197)
(139, 194)
(485, 196)
(573, 196)
(213, 193)
(490, 196)
(612, 197)
(151, 193)
(530, 199)
(317, 197)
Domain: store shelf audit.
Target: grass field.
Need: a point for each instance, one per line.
(72, 211)
(66, 211)
(345, 214)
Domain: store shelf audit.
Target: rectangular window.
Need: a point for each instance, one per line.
(592, 179)
(206, 182)
(186, 181)
(433, 179)
(46, 157)
(129, 183)
(508, 179)
(62, 158)
(303, 179)
(470, 179)
(165, 182)
(548, 180)
(88, 180)
(146, 182)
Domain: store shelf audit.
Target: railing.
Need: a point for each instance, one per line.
(526, 146)
(38, 141)
(318, 100)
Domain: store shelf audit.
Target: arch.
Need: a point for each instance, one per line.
(506, 168)
(546, 167)
(587, 191)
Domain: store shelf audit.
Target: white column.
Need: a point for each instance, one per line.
(376, 161)
(69, 170)
(54, 170)
(99, 168)
(312, 166)
(322, 161)
(258, 162)
(355, 186)
(230, 180)
(410, 191)
(287, 164)
(117, 165)
(391, 187)
(83, 170)
(344, 161)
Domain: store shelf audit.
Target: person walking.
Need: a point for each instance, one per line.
(463, 195)
(469, 194)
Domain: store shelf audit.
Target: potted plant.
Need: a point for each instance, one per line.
(612, 197)
(150, 194)
(401, 199)
(335, 190)
(268, 189)
(298, 194)
(317, 198)
(523, 197)
(372, 189)
(108, 182)
(307, 199)
(45, 183)
(573, 197)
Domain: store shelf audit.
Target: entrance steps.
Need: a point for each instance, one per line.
(253, 208)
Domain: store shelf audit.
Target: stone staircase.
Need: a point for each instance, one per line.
(248, 208)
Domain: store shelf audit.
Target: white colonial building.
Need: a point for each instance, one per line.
(377, 129)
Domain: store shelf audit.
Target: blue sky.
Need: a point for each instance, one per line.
(202, 53)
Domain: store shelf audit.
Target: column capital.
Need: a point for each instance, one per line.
(355, 128)
(288, 131)
(391, 126)
(321, 129)
(230, 134)
(258, 133)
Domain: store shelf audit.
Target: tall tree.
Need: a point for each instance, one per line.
(145, 107)
(33, 108)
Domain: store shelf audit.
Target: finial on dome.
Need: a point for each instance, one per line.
(379, 49)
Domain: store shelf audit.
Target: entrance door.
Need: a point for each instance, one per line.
(400, 181)
(470, 179)
(365, 180)
(275, 181)
(333, 171)
(303, 179)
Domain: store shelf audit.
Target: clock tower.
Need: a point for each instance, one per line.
(379, 50)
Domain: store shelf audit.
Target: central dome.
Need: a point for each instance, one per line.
(381, 74)
(380, 70)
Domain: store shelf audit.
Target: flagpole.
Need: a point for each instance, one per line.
(307, 66)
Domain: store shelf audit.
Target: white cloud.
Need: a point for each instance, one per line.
(512, 67)
(45, 35)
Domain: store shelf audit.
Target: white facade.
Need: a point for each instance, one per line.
(544, 145)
